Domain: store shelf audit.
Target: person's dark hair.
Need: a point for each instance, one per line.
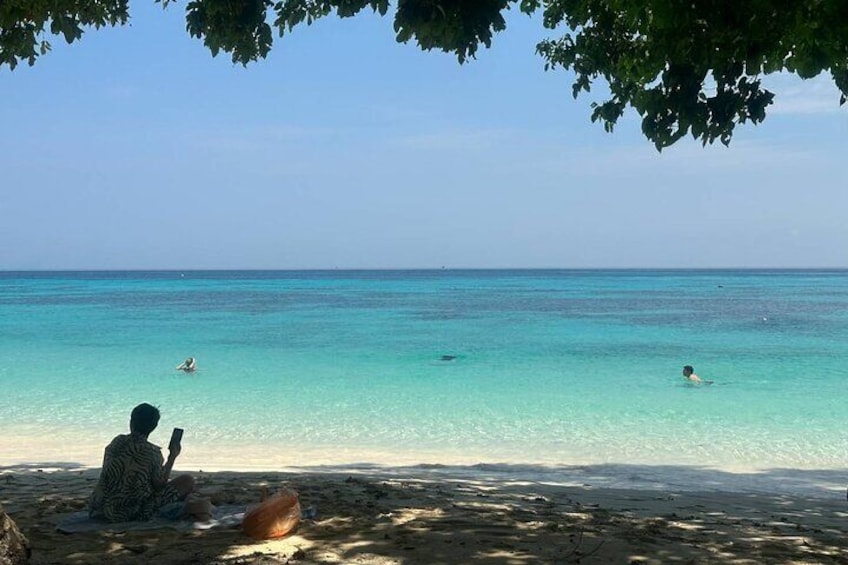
(144, 419)
(689, 368)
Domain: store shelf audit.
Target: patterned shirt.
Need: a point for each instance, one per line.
(129, 485)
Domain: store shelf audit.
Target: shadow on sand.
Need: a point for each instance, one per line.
(479, 514)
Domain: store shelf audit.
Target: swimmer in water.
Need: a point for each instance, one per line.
(689, 374)
(187, 366)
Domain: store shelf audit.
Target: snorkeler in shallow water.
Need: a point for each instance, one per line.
(187, 366)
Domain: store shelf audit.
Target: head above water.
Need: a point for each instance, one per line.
(688, 370)
(144, 419)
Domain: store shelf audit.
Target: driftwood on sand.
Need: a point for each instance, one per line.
(14, 547)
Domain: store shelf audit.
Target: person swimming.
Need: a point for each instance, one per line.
(689, 374)
(187, 366)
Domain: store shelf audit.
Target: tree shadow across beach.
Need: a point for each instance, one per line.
(478, 514)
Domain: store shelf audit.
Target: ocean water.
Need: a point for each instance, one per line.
(549, 367)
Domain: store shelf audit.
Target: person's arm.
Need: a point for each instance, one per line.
(165, 474)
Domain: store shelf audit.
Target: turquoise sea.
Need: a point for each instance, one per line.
(543, 368)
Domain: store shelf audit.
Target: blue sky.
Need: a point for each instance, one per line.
(135, 149)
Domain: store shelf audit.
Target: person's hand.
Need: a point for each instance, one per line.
(174, 451)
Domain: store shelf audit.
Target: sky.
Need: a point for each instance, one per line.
(136, 149)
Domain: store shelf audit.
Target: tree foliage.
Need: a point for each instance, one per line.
(694, 66)
(685, 66)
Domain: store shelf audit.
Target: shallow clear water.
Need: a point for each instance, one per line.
(551, 367)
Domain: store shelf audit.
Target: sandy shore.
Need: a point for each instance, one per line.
(418, 515)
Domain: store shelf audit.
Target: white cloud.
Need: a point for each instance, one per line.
(795, 96)
(687, 156)
(455, 140)
(121, 92)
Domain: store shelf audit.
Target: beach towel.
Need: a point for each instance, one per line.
(79, 522)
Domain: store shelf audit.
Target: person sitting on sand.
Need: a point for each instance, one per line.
(133, 482)
(189, 365)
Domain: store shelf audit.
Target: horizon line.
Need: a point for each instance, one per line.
(408, 269)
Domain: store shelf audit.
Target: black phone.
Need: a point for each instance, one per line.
(176, 438)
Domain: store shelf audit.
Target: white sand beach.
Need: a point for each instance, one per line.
(409, 515)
